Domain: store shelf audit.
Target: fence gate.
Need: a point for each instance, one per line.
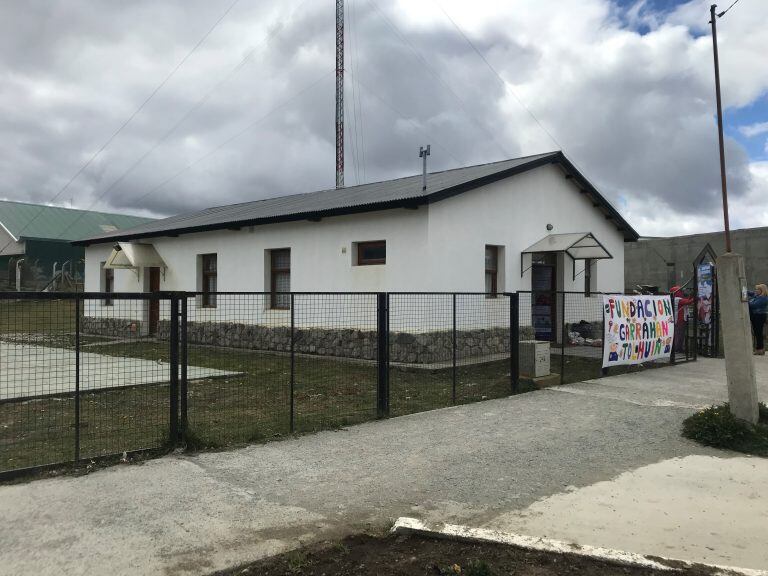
(80, 378)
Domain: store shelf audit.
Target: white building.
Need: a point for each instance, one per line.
(532, 223)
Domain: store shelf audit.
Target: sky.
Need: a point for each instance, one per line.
(158, 107)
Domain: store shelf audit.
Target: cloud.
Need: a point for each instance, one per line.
(755, 129)
(254, 105)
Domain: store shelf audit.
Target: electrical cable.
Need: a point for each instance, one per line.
(196, 106)
(128, 120)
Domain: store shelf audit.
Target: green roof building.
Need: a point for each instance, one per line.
(35, 241)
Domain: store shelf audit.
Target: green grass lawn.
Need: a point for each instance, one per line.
(37, 316)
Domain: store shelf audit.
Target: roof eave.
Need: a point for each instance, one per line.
(409, 203)
(630, 234)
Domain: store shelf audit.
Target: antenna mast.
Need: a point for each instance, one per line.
(339, 93)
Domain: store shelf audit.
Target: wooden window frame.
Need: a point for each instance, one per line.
(109, 284)
(273, 271)
(361, 246)
(494, 273)
(205, 275)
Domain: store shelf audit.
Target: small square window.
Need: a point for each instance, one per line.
(370, 253)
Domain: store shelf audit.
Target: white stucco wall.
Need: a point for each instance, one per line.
(436, 248)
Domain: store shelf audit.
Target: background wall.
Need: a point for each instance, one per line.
(646, 260)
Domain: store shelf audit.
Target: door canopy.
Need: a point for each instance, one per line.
(577, 245)
(128, 256)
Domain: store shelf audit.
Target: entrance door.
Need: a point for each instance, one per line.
(544, 297)
(154, 305)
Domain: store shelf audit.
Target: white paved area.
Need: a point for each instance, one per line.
(474, 465)
(698, 508)
(28, 370)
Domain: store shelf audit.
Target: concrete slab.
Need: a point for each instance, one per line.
(29, 371)
(698, 508)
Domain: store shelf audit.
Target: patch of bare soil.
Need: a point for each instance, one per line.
(419, 556)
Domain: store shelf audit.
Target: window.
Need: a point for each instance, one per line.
(491, 269)
(369, 253)
(209, 280)
(280, 278)
(107, 282)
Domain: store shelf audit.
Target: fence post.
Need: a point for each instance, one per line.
(453, 340)
(514, 341)
(293, 363)
(174, 387)
(563, 336)
(183, 361)
(77, 379)
(676, 327)
(382, 356)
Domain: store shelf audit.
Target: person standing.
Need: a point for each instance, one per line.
(758, 310)
(680, 302)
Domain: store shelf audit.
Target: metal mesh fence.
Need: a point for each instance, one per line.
(421, 352)
(335, 353)
(91, 375)
(37, 400)
(80, 378)
(482, 347)
(237, 369)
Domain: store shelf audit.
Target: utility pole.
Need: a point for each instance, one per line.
(339, 93)
(423, 153)
(732, 291)
(724, 184)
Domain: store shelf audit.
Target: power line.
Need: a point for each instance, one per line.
(504, 83)
(130, 118)
(353, 149)
(189, 113)
(403, 116)
(724, 12)
(236, 135)
(356, 69)
(437, 76)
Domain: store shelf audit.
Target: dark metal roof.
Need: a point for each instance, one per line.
(398, 193)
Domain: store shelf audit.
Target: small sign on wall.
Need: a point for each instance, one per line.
(637, 329)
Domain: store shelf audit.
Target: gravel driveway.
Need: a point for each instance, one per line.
(468, 464)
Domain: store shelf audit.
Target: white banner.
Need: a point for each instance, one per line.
(637, 329)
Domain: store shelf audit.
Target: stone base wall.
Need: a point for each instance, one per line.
(405, 347)
(117, 327)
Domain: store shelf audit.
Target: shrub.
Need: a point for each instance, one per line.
(716, 426)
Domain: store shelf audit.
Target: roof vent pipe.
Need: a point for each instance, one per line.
(423, 154)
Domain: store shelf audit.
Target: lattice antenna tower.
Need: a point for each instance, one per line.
(339, 93)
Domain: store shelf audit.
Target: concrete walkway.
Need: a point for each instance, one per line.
(467, 465)
(30, 371)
